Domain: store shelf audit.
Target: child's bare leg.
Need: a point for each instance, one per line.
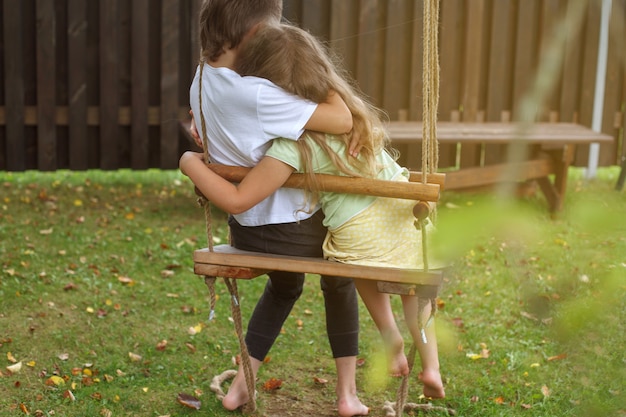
(379, 306)
(348, 403)
(429, 354)
(238, 391)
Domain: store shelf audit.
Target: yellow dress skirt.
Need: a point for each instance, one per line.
(384, 235)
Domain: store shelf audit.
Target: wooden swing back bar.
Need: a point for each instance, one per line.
(228, 262)
(413, 190)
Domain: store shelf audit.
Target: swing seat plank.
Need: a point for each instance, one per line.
(228, 262)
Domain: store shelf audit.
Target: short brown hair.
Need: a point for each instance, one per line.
(224, 23)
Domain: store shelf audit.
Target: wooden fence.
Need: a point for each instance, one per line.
(103, 84)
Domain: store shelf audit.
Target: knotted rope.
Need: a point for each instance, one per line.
(430, 161)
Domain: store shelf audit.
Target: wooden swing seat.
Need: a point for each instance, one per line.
(228, 262)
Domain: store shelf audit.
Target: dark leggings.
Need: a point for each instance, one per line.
(284, 288)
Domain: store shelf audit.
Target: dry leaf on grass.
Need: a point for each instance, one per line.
(188, 401)
(272, 384)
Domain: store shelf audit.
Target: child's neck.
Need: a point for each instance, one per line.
(227, 59)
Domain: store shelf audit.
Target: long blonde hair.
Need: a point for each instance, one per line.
(296, 61)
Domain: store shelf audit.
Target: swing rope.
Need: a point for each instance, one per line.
(231, 283)
(430, 161)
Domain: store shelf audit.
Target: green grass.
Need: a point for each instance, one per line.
(97, 265)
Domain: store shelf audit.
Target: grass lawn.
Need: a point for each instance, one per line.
(101, 314)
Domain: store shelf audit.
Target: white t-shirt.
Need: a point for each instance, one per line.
(243, 115)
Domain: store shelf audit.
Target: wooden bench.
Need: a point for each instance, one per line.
(539, 151)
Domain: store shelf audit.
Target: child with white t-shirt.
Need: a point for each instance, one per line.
(241, 117)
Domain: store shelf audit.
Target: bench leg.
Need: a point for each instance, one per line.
(555, 191)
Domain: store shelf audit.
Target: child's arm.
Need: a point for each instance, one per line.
(332, 116)
(265, 178)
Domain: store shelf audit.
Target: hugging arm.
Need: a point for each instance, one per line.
(265, 178)
(331, 116)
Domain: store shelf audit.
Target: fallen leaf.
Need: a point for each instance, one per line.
(55, 381)
(126, 281)
(498, 400)
(528, 316)
(188, 401)
(24, 409)
(63, 356)
(272, 384)
(320, 381)
(134, 357)
(557, 357)
(161, 345)
(166, 273)
(545, 391)
(191, 347)
(11, 358)
(69, 395)
(195, 329)
(15, 368)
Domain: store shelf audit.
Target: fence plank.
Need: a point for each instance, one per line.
(398, 40)
(526, 50)
(77, 84)
(589, 36)
(14, 85)
(139, 81)
(371, 49)
(569, 104)
(316, 17)
(344, 36)
(109, 94)
(170, 76)
(46, 82)
(501, 58)
(193, 38)
(451, 34)
(474, 81)
(417, 62)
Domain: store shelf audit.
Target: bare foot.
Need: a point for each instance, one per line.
(237, 393)
(433, 385)
(352, 406)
